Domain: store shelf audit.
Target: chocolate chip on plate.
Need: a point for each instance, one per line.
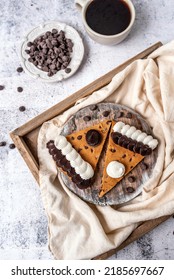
(93, 107)
(131, 179)
(2, 143)
(12, 146)
(19, 69)
(106, 113)
(87, 118)
(129, 115)
(19, 89)
(22, 108)
(130, 189)
(144, 166)
(118, 115)
(2, 87)
(67, 70)
(93, 137)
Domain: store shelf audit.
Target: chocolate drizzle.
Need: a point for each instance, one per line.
(65, 165)
(132, 145)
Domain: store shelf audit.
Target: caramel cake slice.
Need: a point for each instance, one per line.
(89, 142)
(127, 147)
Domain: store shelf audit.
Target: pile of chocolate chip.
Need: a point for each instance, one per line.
(51, 52)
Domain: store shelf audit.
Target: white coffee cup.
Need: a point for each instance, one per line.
(105, 39)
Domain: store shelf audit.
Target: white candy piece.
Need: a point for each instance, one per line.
(67, 149)
(147, 140)
(125, 129)
(72, 155)
(136, 134)
(118, 126)
(60, 142)
(89, 173)
(130, 131)
(115, 169)
(141, 137)
(79, 160)
(81, 168)
(153, 144)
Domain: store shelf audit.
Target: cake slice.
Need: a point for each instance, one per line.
(89, 142)
(126, 148)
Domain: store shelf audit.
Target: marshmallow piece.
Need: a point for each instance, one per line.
(82, 168)
(60, 142)
(125, 129)
(147, 139)
(89, 172)
(72, 155)
(130, 131)
(118, 126)
(136, 134)
(153, 144)
(141, 137)
(115, 169)
(67, 149)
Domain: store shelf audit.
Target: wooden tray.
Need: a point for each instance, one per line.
(25, 139)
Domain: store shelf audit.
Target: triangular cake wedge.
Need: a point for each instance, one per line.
(123, 155)
(90, 153)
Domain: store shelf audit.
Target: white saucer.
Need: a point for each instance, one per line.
(76, 58)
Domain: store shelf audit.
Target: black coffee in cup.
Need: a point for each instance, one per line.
(108, 17)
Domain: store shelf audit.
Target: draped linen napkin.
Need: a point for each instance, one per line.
(80, 230)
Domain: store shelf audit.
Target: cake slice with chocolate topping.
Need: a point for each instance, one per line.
(89, 142)
(126, 148)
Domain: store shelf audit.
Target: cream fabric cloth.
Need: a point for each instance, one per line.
(79, 230)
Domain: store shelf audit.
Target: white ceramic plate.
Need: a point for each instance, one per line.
(76, 57)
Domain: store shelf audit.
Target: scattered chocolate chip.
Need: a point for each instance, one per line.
(68, 70)
(112, 150)
(79, 150)
(123, 156)
(79, 137)
(93, 137)
(19, 89)
(130, 189)
(86, 147)
(144, 166)
(22, 108)
(129, 115)
(72, 138)
(106, 113)
(19, 69)
(131, 179)
(93, 107)
(118, 114)
(12, 146)
(2, 87)
(2, 143)
(87, 118)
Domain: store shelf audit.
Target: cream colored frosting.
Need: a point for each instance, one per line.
(135, 134)
(130, 131)
(115, 169)
(82, 167)
(118, 126)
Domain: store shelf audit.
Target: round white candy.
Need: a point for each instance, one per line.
(115, 169)
(125, 129)
(118, 126)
